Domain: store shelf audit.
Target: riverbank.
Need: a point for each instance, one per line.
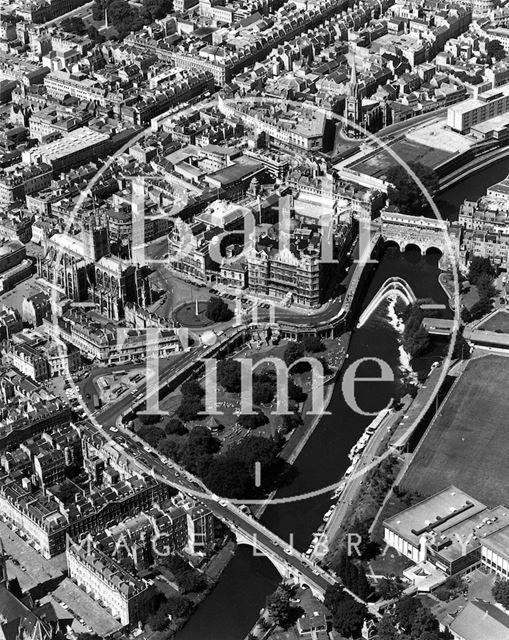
(299, 438)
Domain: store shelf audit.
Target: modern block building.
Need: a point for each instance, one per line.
(462, 116)
(454, 532)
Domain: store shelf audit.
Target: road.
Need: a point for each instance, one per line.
(147, 460)
(353, 486)
(79, 12)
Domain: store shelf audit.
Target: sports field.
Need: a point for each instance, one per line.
(468, 444)
(499, 321)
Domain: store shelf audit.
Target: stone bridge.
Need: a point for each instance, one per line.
(424, 233)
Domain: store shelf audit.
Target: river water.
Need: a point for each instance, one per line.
(231, 609)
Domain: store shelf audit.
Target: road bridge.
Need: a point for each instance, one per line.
(141, 458)
(391, 287)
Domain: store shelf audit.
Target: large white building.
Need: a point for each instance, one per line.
(494, 102)
(125, 596)
(454, 532)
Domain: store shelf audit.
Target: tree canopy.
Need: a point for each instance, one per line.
(479, 266)
(280, 607)
(218, 310)
(405, 193)
(495, 49)
(348, 615)
(228, 375)
(500, 592)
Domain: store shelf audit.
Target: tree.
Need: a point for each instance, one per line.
(228, 375)
(157, 9)
(389, 588)
(485, 286)
(218, 310)
(404, 192)
(159, 620)
(230, 477)
(263, 392)
(480, 308)
(386, 628)
(280, 608)
(152, 435)
(495, 49)
(418, 343)
(405, 612)
(293, 352)
(94, 34)
(174, 426)
(190, 407)
(313, 344)
(232, 472)
(170, 449)
(415, 336)
(253, 421)
(192, 582)
(424, 623)
(178, 606)
(478, 267)
(73, 25)
(348, 618)
(500, 592)
(295, 392)
(192, 388)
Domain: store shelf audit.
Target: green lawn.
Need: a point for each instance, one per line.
(468, 445)
(498, 322)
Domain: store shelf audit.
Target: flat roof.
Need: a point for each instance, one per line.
(437, 513)
(464, 537)
(499, 541)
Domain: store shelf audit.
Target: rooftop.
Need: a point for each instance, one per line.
(435, 514)
(481, 619)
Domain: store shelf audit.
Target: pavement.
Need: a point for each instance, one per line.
(147, 460)
(83, 607)
(26, 564)
(80, 11)
(14, 297)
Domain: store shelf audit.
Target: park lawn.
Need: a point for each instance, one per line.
(498, 322)
(470, 296)
(467, 445)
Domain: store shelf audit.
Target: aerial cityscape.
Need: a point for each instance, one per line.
(254, 319)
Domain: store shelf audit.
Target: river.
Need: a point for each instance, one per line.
(231, 609)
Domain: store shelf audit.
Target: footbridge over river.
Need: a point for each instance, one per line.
(391, 287)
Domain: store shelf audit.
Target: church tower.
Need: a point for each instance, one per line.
(96, 240)
(353, 106)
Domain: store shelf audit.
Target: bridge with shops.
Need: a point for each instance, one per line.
(424, 233)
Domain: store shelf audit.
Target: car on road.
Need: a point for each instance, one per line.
(288, 550)
(316, 572)
(223, 503)
(147, 449)
(114, 429)
(88, 396)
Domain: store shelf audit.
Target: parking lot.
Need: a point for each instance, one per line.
(85, 609)
(25, 564)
